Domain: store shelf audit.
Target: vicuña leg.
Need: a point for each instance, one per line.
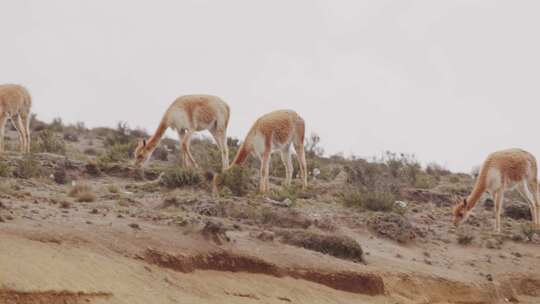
(188, 159)
(221, 141)
(22, 132)
(3, 120)
(15, 124)
(533, 186)
(499, 197)
(287, 162)
(301, 155)
(526, 190)
(188, 150)
(26, 123)
(265, 163)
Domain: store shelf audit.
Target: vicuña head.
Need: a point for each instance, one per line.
(275, 131)
(141, 153)
(460, 211)
(187, 115)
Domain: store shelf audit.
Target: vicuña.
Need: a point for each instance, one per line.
(15, 104)
(187, 115)
(275, 131)
(503, 170)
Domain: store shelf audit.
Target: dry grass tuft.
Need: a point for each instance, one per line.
(82, 193)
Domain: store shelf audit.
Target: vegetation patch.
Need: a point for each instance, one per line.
(180, 177)
(47, 141)
(28, 167)
(369, 200)
(236, 179)
(82, 193)
(5, 168)
(339, 246)
(392, 226)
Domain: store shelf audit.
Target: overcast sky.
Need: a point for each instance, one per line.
(450, 81)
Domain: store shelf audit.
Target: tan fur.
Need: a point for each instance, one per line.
(15, 104)
(500, 171)
(186, 115)
(277, 130)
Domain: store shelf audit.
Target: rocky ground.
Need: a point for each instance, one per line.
(78, 224)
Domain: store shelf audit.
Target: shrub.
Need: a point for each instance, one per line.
(437, 170)
(313, 147)
(528, 231)
(56, 125)
(82, 193)
(236, 179)
(47, 141)
(5, 169)
(119, 136)
(112, 188)
(518, 210)
(369, 200)
(161, 153)
(37, 125)
(464, 238)
(402, 165)
(284, 193)
(342, 247)
(393, 226)
(424, 181)
(285, 218)
(116, 153)
(28, 167)
(90, 151)
(179, 177)
(71, 136)
(454, 179)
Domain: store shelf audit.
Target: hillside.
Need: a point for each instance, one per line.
(79, 224)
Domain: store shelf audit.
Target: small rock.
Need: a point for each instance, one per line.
(400, 204)
(489, 277)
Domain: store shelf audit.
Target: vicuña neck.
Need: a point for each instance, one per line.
(155, 139)
(478, 190)
(242, 154)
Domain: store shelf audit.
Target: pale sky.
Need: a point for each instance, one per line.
(450, 81)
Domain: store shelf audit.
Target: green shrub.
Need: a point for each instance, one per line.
(464, 238)
(56, 125)
(236, 179)
(82, 193)
(437, 170)
(5, 169)
(369, 200)
(28, 167)
(528, 231)
(284, 193)
(120, 136)
(342, 247)
(179, 177)
(112, 188)
(116, 153)
(424, 181)
(454, 179)
(47, 141)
